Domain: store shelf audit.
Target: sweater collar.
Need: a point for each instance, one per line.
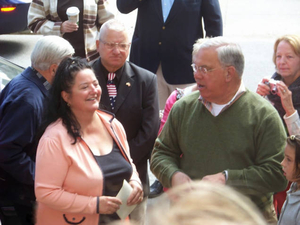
(209, 105)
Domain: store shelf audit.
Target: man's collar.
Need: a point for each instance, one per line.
(46, 84)
(106, 72)
(238, 94)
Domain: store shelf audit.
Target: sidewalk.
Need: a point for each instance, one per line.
(260, 18)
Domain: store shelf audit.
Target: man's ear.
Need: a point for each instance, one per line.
(97, 43)
(231, 73)
(53, 69)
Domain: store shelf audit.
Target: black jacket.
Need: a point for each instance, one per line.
(171, 42)
(22, 104)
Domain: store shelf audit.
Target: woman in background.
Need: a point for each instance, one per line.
(286, 98)
(285, 84)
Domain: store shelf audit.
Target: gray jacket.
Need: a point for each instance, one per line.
(290, 212)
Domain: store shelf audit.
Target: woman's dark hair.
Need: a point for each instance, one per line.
(63, 81)
(294, 141)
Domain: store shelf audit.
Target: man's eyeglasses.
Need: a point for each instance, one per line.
(120, 46)
(204, 70)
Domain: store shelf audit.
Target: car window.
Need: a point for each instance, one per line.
(8, 70)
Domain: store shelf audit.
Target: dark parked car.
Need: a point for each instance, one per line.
(13, 15)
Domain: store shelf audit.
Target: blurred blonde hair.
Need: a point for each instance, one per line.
(201, 202)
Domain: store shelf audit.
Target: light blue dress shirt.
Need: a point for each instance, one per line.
(166, 6)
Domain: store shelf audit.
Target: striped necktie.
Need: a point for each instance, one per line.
(112, 90)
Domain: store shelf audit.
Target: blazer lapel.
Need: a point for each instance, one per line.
(175, 8)
(125, 86)
(158, 8)
(104, 101)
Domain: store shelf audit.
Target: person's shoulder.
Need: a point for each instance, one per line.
(17, 84)
(192, 97)
(57, 138)
(257, 100)
(22, 85)
(56, 133)
(106, 115)
(186, 102)
(139, 70)
(55, 129)
(257, 106)
(96, 64)
(109, 118)
(172, 98)
(20, 89)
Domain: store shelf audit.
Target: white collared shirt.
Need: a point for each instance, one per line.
(166, 6)
(216, 109)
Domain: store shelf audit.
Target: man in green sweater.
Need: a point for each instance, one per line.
(223, 133)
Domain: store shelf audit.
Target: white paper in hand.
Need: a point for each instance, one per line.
(123, 195)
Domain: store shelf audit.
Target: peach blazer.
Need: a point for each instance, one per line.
(68, 178)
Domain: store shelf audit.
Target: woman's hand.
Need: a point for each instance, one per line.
(108, 205)
(68, 27)
(262, 88)
(286, 98)
(137, 193)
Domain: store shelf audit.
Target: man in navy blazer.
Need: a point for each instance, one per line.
(22, 106)
(164, 35)
(136, 102)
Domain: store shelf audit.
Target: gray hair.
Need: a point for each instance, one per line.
(229, 53)
(112, 24)
(50, 50)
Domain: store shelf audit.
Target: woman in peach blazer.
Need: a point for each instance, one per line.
(69, 180)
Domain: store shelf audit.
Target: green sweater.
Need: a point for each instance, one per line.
(247, 139)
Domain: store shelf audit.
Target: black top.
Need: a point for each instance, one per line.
(115, 169)
(75, 38)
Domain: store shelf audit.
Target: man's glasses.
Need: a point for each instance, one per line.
(204, 70)
(120, 46)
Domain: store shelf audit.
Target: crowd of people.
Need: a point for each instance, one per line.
(80, 124)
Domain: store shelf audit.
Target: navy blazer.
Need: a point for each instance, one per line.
(22, 105)
(137, 109)
(171, 42)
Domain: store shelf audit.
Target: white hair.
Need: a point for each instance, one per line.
(50, 50)
(112, 24)
(229, 53)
